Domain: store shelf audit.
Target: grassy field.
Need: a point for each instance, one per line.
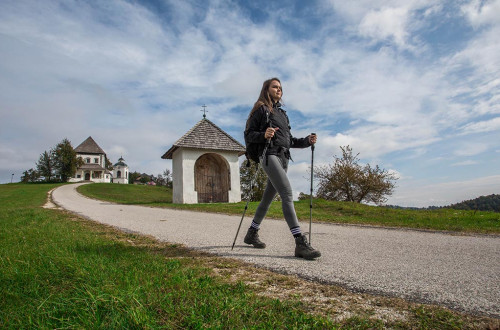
(60, 271)
(325, 211)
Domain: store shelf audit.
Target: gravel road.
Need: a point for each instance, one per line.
(460, 272)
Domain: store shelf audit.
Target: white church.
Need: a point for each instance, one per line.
(94, 165)
(205, 167)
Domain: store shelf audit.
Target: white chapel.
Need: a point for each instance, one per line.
(205, 167)
(120, 172)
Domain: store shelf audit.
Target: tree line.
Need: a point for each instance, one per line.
(482, 203)
(164, 179)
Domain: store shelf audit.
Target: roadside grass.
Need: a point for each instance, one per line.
(323, 211)
(58, 271)
(61, 271)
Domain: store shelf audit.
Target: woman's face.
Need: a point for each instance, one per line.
(275, 90)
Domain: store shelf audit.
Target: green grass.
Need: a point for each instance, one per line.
(60, 271)
(323, 211)
(57, 271)
(128, 193)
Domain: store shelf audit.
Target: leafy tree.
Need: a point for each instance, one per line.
(30, 175)
(304, 196)
(133, 176)
(145, 178)
(253, 174)
(164, 179)
(167, 175)
(346, 180)
(45, 166)
(109, 164)
(65, 160)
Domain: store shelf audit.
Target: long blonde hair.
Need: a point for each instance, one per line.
(264, 98)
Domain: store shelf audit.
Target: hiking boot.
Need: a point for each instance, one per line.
(304, 250)
(252, 237)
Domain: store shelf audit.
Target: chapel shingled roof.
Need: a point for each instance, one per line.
(89, 146)
(206, 135)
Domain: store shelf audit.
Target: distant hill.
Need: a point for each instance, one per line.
(483, 203)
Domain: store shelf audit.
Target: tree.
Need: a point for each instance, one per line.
(247, 176)
(142, 178)
(346, 180)
(65, 160)
(145, 178)
(133, 176)
(304, 196)
(109, 164)
(45, 166)
(167, 175)
(30, 175)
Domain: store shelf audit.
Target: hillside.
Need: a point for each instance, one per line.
(483, 203)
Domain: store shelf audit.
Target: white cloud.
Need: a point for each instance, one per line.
(482, 12)
(471, 149)
(388, 20)
(482, 126)
(465, 163)
(386, 23)
(396, 174)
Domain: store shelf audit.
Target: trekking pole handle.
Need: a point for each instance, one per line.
(312, 145)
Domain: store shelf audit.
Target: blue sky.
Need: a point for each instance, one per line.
(412, 86)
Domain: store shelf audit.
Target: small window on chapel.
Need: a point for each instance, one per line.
(96, 160)
(87, 160)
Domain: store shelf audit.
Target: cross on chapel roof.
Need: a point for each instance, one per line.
(204, 111)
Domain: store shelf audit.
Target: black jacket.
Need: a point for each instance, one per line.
(282, 140)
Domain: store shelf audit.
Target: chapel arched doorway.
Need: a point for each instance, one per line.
(212, 179)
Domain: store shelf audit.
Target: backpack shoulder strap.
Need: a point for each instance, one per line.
(267, 116)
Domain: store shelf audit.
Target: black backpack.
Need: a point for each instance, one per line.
(253, 150)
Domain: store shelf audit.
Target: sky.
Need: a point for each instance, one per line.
(412, 86)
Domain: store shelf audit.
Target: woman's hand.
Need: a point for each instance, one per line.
(270, 132)
(313, 139)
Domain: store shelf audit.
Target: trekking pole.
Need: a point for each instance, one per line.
(251, 191)
(243, 215)
(311, 196)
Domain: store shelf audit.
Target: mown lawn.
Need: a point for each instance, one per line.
(324, 211)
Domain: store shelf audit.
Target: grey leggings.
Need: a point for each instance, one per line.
(277, 181)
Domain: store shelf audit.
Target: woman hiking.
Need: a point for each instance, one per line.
(268, 123)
